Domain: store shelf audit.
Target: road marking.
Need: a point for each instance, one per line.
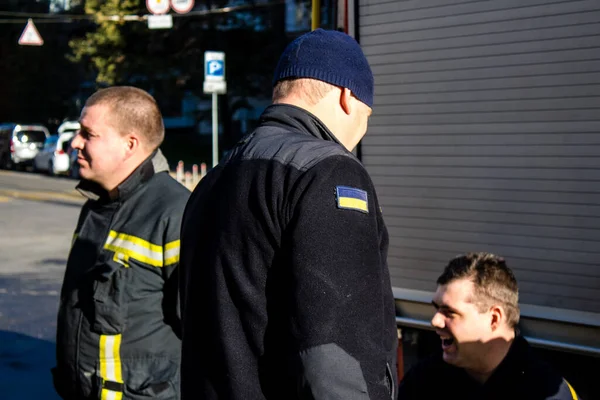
(74, 198)
(21, 174)
(4, 199)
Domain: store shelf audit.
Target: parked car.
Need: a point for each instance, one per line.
(73, 165)
(54, 157)
(69, 126)
(19, 144)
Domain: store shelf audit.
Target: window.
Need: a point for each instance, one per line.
(31, 136)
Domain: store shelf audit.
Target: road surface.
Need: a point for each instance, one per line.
(37, 218)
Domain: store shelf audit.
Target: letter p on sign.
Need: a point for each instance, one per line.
(214, 66)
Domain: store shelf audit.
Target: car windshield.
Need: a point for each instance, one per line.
(31, 136)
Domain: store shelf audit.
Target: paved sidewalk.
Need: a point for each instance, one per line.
(25, 364)
(34, 242)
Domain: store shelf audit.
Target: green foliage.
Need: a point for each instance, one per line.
(119, 52)
(170, 62)
(105, 47)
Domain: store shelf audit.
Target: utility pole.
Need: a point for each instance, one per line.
(316, 14)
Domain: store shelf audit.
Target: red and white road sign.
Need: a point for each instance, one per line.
(30, 35)
(182, 6)
(158, 7)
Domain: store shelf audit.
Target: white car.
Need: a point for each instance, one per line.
(69, 126)
(54, 157)
(19, 144)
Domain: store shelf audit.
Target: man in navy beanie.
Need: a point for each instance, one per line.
(285, 289)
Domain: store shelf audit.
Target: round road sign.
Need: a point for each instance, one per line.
(182, 6)
(158, 7)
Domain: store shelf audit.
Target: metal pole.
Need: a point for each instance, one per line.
(215, 131)
(316, 14)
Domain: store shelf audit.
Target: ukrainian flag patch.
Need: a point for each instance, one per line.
(350, 198)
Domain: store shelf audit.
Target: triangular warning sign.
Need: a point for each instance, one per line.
(30, 35)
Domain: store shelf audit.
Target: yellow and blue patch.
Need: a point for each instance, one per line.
(350, 198)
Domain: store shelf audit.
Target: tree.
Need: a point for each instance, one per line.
(170, 62)
(121, 52)
(104, 48)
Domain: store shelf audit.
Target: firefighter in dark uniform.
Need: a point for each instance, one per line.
(118, 331)
(483, 356)
(285, 288)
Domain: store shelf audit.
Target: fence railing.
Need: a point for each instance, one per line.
(187, 178)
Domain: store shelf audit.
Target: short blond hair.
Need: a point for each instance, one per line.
(310, 90)
(132, 109)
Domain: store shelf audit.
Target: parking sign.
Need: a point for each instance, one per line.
(214, 66)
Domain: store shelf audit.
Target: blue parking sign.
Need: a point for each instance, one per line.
(214, 66)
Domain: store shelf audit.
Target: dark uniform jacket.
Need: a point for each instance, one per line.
(286, 290)
(520, 376)
(118, 330)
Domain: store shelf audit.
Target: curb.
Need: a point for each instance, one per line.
(61, 197)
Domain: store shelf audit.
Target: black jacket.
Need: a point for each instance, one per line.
(118, 326)
(520, 376)
(286, 291)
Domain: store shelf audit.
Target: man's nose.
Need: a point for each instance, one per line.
(77, 142)
(438, 321)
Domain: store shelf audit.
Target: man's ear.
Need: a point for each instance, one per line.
(497, 317)
(346, 100)
(132, 143)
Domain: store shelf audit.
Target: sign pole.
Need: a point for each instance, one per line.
(214, 83)
(215, 130)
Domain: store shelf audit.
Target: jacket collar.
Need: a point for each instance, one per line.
(514, 362)
(297, 119)
(154, 164)
(510, 368)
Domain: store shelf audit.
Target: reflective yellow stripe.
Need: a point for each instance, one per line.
(121, 259)
(349, 202)
(134, 247)
(110, 364)
(110, 395)
(135, 240)
(172, 252)
(172, 245)
(572, 390)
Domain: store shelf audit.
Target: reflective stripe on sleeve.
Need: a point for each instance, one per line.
(172, 252)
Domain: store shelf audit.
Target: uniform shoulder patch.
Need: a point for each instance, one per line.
(350, 198)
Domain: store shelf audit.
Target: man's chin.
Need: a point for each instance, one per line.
(450, 358)
(84, 173)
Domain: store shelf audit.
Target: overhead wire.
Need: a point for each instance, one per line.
(44, 18)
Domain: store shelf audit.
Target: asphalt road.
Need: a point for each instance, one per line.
(37, 218)
(27, 181)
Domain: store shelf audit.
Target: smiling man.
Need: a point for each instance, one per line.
(483, 355)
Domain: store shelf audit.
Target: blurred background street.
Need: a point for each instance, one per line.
(34, 245)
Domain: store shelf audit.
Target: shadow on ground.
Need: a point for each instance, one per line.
(25, 364)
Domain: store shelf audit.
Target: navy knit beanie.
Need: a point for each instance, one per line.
(329, 56)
